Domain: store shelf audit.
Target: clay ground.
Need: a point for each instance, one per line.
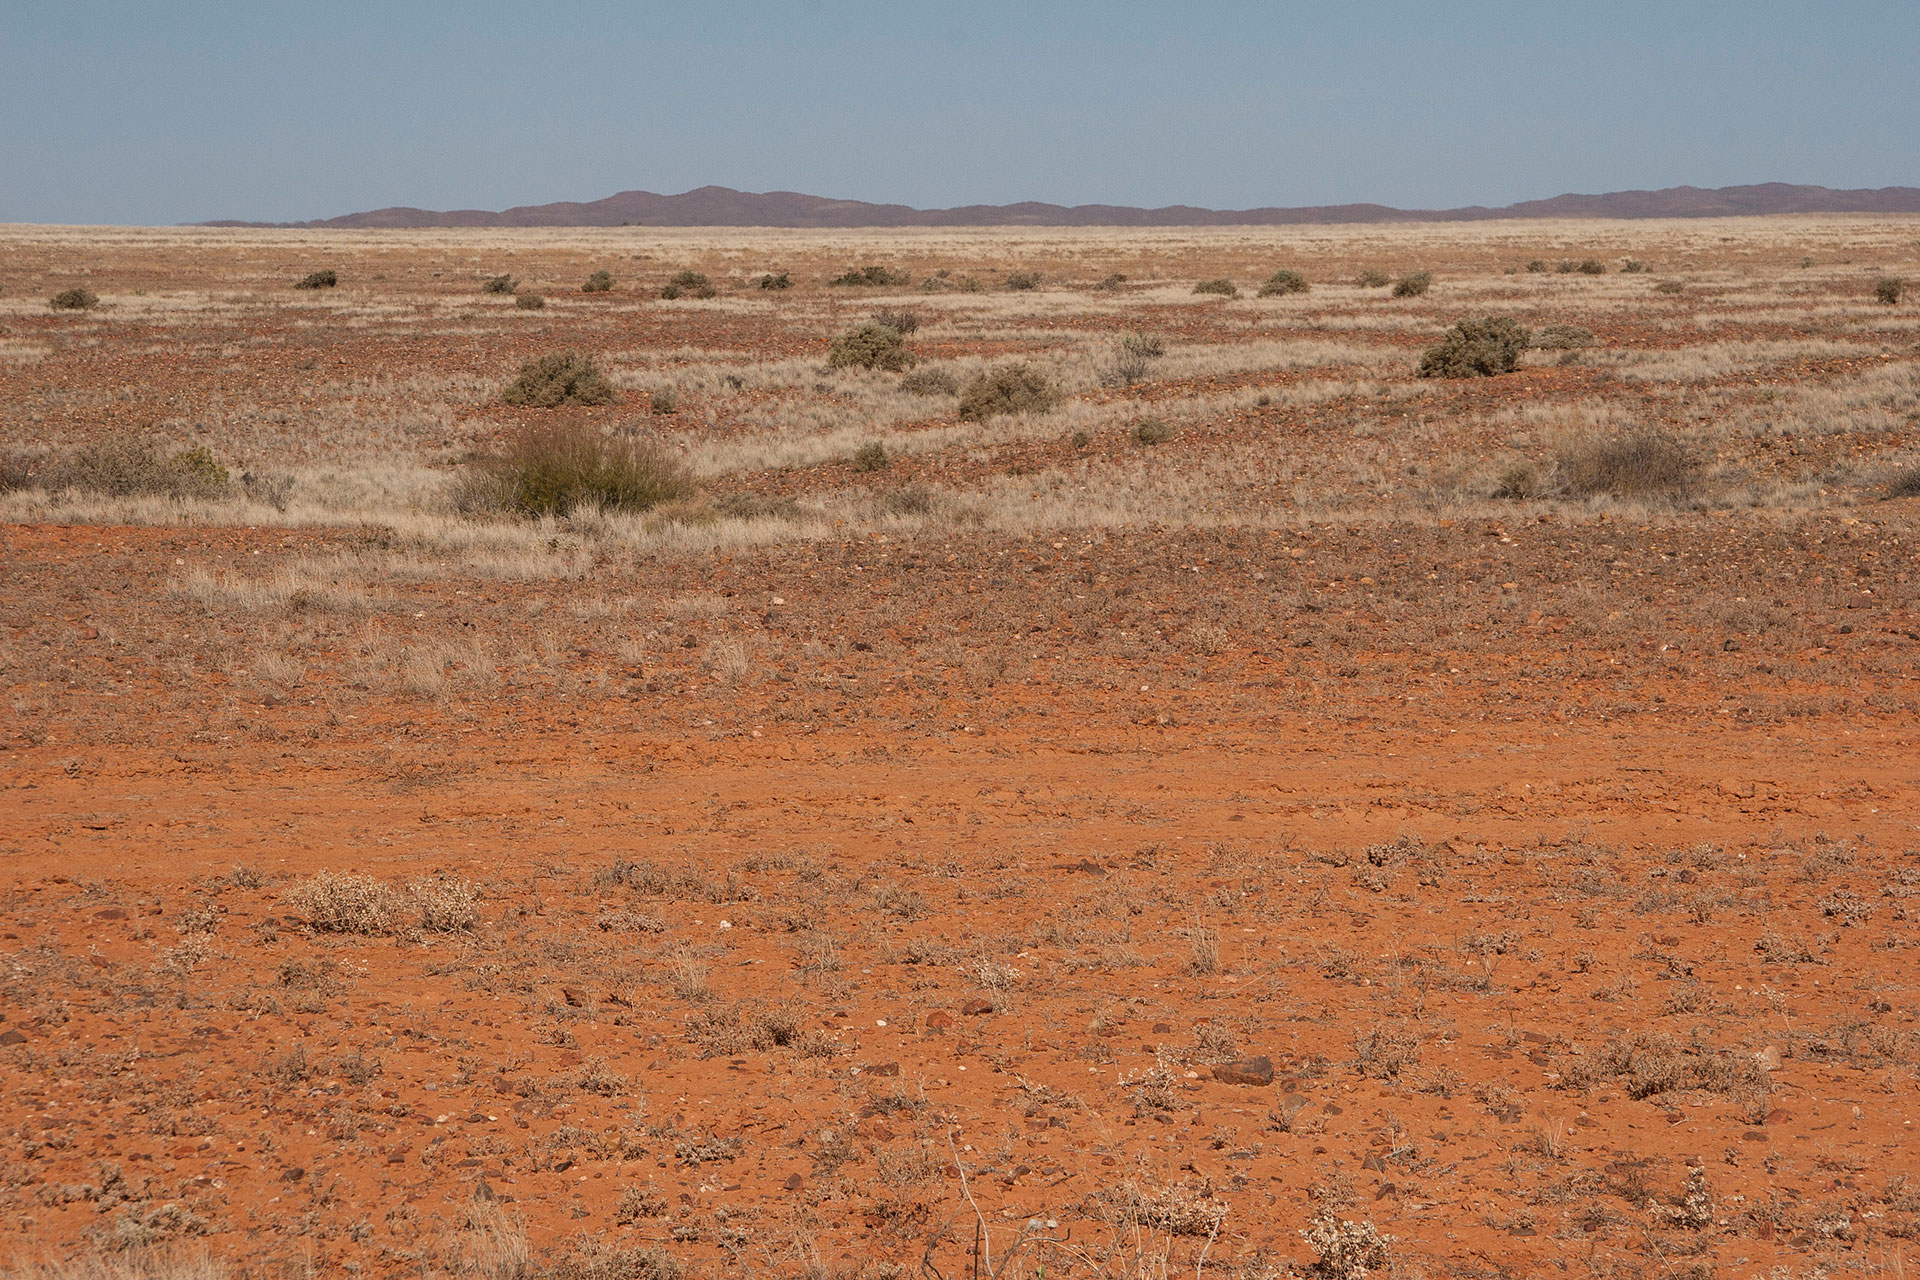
(843, 869)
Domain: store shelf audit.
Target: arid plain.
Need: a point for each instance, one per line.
(897, 861)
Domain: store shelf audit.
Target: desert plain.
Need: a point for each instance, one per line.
(1265, 790)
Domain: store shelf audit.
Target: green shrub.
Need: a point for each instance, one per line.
(557, 379)
(1414, 285)
(1373, 280)
(871, 346)
(1151, 431)
(1284, 282)
(554, 470)
(1646, 464)
(871, 456)
(772, 281)
(500, 284)
(74, 300)
(326, 279)
(136, 466)
(931, 380)
(1889, 289)
(1008, 388)
(1023, 280)
(598, 282)
(530, 302)
(1225, 288)
(1562, 337)
(875, 277)
(1476, 349)
(902, 320)
(688, 284)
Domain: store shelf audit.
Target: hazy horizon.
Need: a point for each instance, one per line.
(113, 113)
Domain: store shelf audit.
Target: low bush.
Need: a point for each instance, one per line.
(1284, 282)
(531, 302)
(1023, 280)
(1134, 360)
(1476, 349)
(1670, 287)
(871, 456)
(559, 468)
(1904, 483)
(557, 379)
(688, 284)
(1646, 464)
(780, 281)
(1373, 280)
(74, 300)
(18, 470)
(871, 346)
(1536, 265)
(902, 320)
(1151, 431)
(873, 277)
(1111, 283)
(1225, 288)
(931, 380)
(1633, 267)
(1562, 337)
(326, 279)
(664, 403)
(1414, 285)
(137, 466)
(1008, 388)
(500, 284)
(1889, 289)
(1585, 267)
(598, 282)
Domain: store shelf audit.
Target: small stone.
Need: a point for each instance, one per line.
(795, 1182)
(884, 1069)
(977, 1006)
(1250, 1071)
(12, 1035)
(939, 1020)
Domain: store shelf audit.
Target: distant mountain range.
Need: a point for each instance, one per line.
(725, 207)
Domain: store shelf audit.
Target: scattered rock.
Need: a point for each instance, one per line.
(12, 1035)
(939, 1020)
(977, 1006)
(1252, 1071)
(884, 1069)
(795, 1182)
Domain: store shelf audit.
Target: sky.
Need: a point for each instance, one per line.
(113, 111)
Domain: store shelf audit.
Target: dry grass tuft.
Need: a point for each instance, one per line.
(1646, 464)
(559, 469)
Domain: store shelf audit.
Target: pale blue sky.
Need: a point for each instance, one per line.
(198, 109)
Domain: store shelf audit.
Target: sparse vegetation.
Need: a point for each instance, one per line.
(871, 277)
(325, 279)
(1478, 348)
(688, 284)
(775, 281)
(902, 320)
(1643, 464)
(1284, 282)
(75, 299)
(561, 378)
(559, 468)
(500, 284)
(129, 466)
(870, 346)
(530, 301)
(1224, 288)
(1413, 286)
(1007, 389)
(598, 282)
(1889, 290)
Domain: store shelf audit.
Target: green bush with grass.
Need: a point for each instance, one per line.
(137, 466)
(871, 277)
(1283, 282)
(1413, 286)
(1005, 389)
(871, 346)
(557, 469)
(500, 284)
(557, 379)
(771, 281)
(688, 284)
(598, 282)
(1476, 349)
(1223, 288)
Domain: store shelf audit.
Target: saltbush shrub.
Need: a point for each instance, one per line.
(1023, 280)
(1007, 388)
(688, 284)
(1225, 288)
(1562, 337)
(1151, 431)
(1889, 289)
(1284, 281)
(1476, 349)
(1645, 464)
(326, 279)
(903, 320)
(1414, 285)
(598, 282)
(1373, 280)
(931, 380)
(556, 379)
(1904, 483)
(871, 456)
(556, 469)
(530, 301)
(871, 346)
(137, 466)
(74, 300)
(875, 277)
(1111, 283)
(500, 284)
(780, 281)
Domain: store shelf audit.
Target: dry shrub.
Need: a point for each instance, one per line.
(74, 300)
(598, 282)
(446, 906)
(931, 381)
(871, 456)
(19, 470)
(1347, 1250)
(1385, 1051)
(1476, 349)
(121, 1259)
(342, 902)
(1180, 1209)
(1562, 337)
(1020, 281)
(1647, 1063)
(1284, 282)
(874, 277)
(562, 377)
(1151, 431)
(531, 302)
(902, 320)
(556, 469)
(1889, 289)
(1373, 280)
(1224, 288)
(136, 466)
(500, 284)
(1414, 285)
(325, 279)
(871, 346)
(1904, 483)
(770, 281)
(1646, 464)
(1008, 388)
(592, 1258)
(688, 284)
